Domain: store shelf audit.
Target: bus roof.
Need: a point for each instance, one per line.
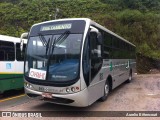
(11, 39)
(90, 22)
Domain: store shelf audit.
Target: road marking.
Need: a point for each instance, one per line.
(12, 98)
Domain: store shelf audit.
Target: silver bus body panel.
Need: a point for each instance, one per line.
(119, 75)
(80, 98)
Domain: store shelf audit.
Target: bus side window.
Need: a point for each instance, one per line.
(93, 45)
(96, 58)
(106, 51)
(7, 51)
(2, 55)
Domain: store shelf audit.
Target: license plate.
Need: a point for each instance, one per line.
(47, 95)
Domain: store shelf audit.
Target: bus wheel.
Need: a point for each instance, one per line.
(130, 77)
(106, 91)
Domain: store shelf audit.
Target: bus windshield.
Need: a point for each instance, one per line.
(57, 55)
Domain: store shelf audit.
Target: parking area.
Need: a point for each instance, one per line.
(142, 94)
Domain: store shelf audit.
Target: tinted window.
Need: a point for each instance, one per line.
(19, 54)
(96, 59)
(7, 52)
(115, 48)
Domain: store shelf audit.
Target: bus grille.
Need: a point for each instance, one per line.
(58, 100)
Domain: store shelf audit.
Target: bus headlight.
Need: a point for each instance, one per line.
(73, 89)
(67, 90)
(28, 85)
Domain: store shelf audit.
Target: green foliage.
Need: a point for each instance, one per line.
(136, 20)
(142, 5)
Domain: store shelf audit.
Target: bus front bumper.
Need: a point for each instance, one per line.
(79, 99)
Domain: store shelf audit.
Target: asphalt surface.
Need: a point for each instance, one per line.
(142, 94)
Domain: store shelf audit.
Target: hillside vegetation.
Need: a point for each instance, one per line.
(138, 21)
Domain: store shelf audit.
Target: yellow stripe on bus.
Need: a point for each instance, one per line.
(10, 73)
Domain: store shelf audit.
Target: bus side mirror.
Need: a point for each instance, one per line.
(23, 36)
(99, 38)
(98, 34)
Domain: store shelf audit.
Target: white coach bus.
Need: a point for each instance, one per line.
(11, 63)
(75, 61)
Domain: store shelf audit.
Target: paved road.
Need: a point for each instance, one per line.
(142, 94)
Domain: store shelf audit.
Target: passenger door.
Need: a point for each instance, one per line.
(95, 86)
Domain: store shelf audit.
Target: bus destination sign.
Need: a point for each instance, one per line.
(56, 27)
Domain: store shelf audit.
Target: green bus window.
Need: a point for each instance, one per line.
(7, 50)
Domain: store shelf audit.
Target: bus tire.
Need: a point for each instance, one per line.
(130, 77)
(106, 91)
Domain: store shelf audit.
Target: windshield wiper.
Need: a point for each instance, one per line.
(44, 42)
(60, 40)
(62, 37)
